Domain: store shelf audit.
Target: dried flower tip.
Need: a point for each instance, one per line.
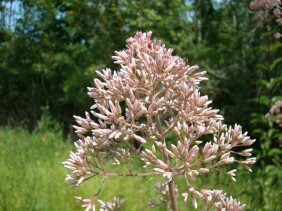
(185, 196)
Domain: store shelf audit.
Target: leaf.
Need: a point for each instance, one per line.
(262, 82)
(277, 135)
(275, 99)
(274, 82)
(258, 119)
(274, 63)
(263, 66)
(277, 45)
(272, 132)
(274, 152)
(263, 100)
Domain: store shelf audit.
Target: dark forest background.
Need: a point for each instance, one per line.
(50, 50)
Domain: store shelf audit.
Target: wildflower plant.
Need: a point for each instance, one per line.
(265, 10)
(275, 113)
(153, 95)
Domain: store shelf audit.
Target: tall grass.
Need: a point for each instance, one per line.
(32, 178)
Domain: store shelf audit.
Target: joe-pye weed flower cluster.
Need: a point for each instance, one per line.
(152, 95)
(266, 10)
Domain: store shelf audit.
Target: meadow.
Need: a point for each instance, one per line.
(32, 178)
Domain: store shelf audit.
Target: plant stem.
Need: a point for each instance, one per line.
(172, 195)
(129, 175)
(171, 185)
(101, 186)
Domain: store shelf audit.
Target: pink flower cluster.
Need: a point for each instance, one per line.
(264, 4)
(267, 8)
(155, 95)
(275, 113)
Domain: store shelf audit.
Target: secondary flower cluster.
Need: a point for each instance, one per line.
(275, 113)
(153, 96)
(260, 4)
(265, 9)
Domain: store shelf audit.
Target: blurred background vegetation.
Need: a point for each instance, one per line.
(50, 49)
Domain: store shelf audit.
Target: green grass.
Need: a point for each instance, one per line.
(32, 178)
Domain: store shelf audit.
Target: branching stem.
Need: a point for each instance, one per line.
(101, 186)
(108, 174)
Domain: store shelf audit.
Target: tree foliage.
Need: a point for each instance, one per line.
(51, 49)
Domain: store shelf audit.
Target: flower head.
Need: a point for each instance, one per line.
(152, 95)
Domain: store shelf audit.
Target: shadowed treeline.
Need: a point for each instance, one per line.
(51, 49)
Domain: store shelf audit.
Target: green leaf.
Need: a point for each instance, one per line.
(274, 63)
(263, 83)
(263, 100)
(258, 119)
(277, 45)
(275, 152)
(263, 66)
(275, 99)
(274, 82)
